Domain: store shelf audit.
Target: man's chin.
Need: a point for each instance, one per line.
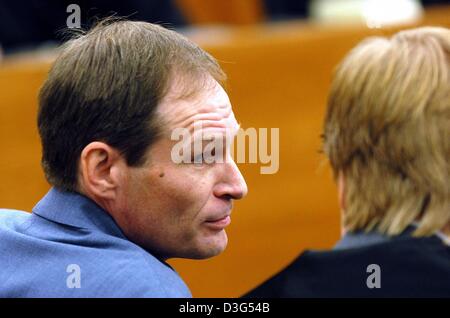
(211, 246)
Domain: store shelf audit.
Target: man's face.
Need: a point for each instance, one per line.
(182, 209)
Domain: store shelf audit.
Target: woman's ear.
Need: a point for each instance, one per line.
(101, 169)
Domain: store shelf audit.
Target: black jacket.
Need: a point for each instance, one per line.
(408, 267)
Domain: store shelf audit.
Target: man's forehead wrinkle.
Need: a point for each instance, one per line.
(186, 116)
(175, 114)
(210, 108)
(190, 118)
(204, 124)
(202, 105)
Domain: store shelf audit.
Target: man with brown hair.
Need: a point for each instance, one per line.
(386, 134)
(120, 206)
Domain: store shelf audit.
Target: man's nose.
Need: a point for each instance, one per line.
(233, 185)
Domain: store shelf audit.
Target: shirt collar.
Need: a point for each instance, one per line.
(76, 210)
(360, 238)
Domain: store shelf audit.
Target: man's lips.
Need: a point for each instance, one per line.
(219, 224)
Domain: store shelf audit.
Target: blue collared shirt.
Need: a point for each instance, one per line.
(70, 247)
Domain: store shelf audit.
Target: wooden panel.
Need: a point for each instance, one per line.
(278, 78)
(200, 12)
(23, 182)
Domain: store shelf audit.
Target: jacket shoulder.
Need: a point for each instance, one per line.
(407, 268)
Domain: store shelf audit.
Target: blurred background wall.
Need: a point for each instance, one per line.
(279, 57)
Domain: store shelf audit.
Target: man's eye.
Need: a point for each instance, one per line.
(204, 158)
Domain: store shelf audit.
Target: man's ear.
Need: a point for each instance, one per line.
(101, 170)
